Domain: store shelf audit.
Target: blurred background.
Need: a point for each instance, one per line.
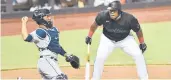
(31, 5)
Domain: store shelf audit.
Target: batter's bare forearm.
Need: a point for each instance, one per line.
(92, 29)
(140, 36)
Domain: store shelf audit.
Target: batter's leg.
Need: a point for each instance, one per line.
(104, 50)
(130, 47)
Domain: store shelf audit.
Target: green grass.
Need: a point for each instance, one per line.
(19, 54)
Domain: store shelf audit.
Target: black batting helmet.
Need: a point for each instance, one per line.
(115, 5)
(38, 17)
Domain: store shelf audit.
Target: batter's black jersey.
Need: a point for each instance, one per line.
(120, 29)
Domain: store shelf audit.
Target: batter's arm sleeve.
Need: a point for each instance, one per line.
(98, 19)
(135, 26)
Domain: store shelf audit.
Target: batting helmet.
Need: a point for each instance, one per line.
(115, 5)
(38, 17)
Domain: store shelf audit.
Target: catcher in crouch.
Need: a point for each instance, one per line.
(46, 38)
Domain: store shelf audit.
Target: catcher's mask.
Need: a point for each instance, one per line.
(38, 16)
(114, 10)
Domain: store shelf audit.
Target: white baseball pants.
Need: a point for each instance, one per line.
(129, 46)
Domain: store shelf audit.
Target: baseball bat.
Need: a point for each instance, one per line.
(87, 70)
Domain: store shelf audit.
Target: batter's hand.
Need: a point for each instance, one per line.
(88, 40)
(24, 19)
(143, 47)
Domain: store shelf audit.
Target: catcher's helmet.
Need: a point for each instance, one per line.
(38, 17)
(115, 5)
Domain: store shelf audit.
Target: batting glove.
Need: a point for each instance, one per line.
(88, 40)
(143, 47)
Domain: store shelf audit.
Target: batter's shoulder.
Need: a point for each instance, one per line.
(103, 13)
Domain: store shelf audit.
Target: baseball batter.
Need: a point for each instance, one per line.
(46, 38)
(116, 34)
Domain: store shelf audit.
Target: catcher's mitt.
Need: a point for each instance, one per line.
(74, 61)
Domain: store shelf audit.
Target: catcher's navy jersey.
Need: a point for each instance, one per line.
(46, 38)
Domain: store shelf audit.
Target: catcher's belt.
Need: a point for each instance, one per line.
(42, 49)
(49, 57)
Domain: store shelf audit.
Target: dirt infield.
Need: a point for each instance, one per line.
(110, 72)
(82, 21)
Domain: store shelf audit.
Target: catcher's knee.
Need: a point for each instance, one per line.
(61, 77)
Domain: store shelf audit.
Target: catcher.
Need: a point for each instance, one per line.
(46, 38)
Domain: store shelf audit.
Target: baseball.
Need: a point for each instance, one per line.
(25, 19)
